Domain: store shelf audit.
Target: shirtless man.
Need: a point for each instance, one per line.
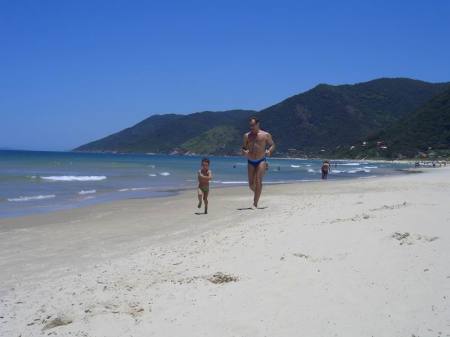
(257, 145)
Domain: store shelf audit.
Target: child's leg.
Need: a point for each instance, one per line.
(200, 196)
(205, 199)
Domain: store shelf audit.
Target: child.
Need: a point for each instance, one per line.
(204, 176)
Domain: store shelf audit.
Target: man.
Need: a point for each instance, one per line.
(326, 167)
(257, 145)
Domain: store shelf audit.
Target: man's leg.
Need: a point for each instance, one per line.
(251, 176)
(259, 174)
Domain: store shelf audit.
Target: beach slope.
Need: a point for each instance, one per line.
(362, 257)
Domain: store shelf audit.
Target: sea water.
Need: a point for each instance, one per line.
(36, 182)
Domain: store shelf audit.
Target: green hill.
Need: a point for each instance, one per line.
(169, 133)
(426, 133)
(329, 116)
(315, 122)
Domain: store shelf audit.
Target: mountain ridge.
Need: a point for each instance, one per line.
(311, 123)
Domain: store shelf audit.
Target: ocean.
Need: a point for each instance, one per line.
(37, 182)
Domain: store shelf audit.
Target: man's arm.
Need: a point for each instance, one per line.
(271, 144)
(244, 149)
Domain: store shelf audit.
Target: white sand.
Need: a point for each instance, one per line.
(320, 260)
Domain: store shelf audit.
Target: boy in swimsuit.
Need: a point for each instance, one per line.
(204, 177)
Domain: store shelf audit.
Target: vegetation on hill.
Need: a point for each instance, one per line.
(424, 133)
(323, 121)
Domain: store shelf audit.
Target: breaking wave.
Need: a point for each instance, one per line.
(74, 178)
(31, 198)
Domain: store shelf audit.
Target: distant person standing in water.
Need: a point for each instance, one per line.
(325, 169)
(257, 145)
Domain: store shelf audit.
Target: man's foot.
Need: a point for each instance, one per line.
(206, 211)
(253, 207)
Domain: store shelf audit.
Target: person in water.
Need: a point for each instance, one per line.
(204, 177)
(325, 169)
(257, 146)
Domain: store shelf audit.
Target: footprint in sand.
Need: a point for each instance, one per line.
(220, 278)
(388, 207)
(311, 258)
(357, 217)
(406, 238)
(58, 321)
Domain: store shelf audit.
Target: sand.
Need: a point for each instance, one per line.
(366, 257)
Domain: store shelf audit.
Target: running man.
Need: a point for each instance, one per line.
(257, 145)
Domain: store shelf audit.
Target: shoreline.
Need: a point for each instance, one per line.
(371, 249)
(174, 191)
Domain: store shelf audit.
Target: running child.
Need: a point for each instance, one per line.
(204, 177)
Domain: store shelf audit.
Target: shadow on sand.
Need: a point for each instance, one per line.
(250, 209)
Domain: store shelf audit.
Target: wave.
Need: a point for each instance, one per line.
(370, 167)
(134, 189)
(82, 192)
(164, 174)
(350, 164)
(336, 171)
(74, 178)
(31, 198)
(89, 197)
(152, 175)
(359, 170)
(295, 166)
(234, 182)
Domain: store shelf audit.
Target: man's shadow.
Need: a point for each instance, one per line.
(200, 213)
(250, 209)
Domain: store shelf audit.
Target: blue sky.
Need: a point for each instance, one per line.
(74, 71)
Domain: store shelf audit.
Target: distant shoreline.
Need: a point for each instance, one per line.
(381, 160)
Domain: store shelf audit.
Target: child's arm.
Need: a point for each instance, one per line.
(208, 176)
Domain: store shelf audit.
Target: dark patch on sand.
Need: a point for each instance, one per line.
(219, 278)
(409, 239)
(56, 322)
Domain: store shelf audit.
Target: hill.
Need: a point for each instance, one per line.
(311, 123)
(424, 133)
(176, 133)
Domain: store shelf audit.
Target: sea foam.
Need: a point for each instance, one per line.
(82, 192)
(31, 198)
(350, 164)
(74, 178)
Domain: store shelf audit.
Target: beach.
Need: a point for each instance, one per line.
(359, 257)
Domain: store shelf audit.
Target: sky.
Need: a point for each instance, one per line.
(74, 71)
